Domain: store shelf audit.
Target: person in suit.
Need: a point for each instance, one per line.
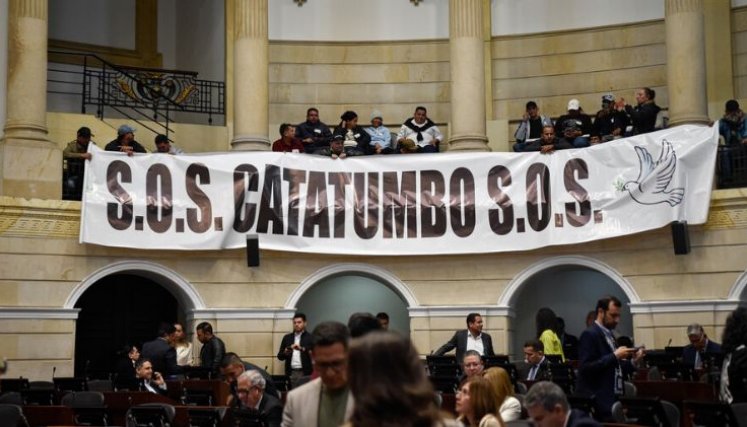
(601, 361)
(148, 379)
(294, 350)
(548, 406)
(213, 349)
(325, 401)
(231, 368)
(251, 391)
(570, 342)
(161, 351)
(700, 346)
(471, 338)
(535, 366)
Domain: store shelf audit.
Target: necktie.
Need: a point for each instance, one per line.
(533, 372)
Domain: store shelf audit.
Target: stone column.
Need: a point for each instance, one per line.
(31, 164)
(686, 70)
(3, 61)
(467, 126)
(251, 76)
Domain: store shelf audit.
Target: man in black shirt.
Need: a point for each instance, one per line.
(313, 132)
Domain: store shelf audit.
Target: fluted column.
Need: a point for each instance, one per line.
(467, 126)
(251, 76)
(686, 69)
(31, 164)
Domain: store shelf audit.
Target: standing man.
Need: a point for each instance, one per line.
(471, 338)
(161, 351)
(383, 319)
(531, 125)
(601, 361)
(125, 142)
(75, 154)
(422, 131)
(313, 132)
(325, 401)
(535, 366)
(294, 350)
(213, 349)
(695, 353)
(251, 392)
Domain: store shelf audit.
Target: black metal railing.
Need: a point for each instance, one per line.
(133, 92)
(731, 166)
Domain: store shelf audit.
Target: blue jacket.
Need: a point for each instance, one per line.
(688, 353)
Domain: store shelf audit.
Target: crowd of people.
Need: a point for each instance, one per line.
(360, 374)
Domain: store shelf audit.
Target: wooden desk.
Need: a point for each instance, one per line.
(48, 415)
(219, 389)
(118, 402)
(677, 391)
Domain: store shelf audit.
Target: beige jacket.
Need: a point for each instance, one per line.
(302, 405)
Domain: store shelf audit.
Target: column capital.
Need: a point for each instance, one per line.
(465, 18)
(682, 6)
(38, 9)
(250, 19)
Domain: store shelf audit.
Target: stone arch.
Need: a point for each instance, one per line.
(184, 292)
(513, 288)
(739, 288)
(377, 273)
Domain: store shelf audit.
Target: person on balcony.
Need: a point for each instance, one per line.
(288, 143)
(125, 141)
(163, 145)
(75, 155)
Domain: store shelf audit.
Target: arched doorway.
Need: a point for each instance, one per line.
(117, 310)
(336, 292)
(570, 287)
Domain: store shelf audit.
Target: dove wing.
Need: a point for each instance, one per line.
(646, 163)
(665, 167)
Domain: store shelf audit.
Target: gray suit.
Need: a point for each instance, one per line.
(302, 405)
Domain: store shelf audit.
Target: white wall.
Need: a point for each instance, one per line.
(355, 20)
(535, 16)
(738, 3)
(101, 22)
(3, 62)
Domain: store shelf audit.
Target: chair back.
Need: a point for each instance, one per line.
(83, 399)
(151, 415)
(11, 416)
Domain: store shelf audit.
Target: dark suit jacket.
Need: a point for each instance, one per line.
(570, 347)
(162, 356)
(688, 353)
(270, 385)
(211, 355)
(543, 373)
(271, 410)
(581, 419)
(459, 341)
(596, 370)
(306, 343)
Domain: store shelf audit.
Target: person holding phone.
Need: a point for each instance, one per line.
(149, 380)
(294, 350)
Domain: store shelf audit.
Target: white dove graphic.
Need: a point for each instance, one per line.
(650, 188)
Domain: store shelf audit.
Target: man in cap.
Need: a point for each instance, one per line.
(75, 153)
(381, 138)
(609, 123)
(700, 347)
(163, 145)
(530, 128)
(583, 124)
(125, 141)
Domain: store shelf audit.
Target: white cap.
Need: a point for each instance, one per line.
(573, 104)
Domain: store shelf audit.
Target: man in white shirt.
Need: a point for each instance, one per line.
(472, 338)
(422, 131)
(294, 350)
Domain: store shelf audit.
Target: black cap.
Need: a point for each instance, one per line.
(161, 138)
(732, 105)
(85, 132)
(571, 124)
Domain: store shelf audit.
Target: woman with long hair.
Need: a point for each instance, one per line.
(389, 384)
(183, 347)
(547, 328)
(509, 407)
(476, 404)
(356, 141)
(734, 368)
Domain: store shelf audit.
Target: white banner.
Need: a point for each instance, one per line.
(425, 204)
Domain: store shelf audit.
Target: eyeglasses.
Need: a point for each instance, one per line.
(336, 365)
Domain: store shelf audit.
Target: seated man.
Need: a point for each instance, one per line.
(471, 338)
(75, 154)
(231, 367)
(732, 125)
(583, 122)
(699, 348)
(337, 149)
(534, 367)
(164, 146)
(381, 138)
(251, 392)
(125, 141)
(472, 364)
(422, 131)
(548, 406)
(314, 134)
(530, 128)
(548, 143)
(609, 123)
(149, 380)
(288, 143)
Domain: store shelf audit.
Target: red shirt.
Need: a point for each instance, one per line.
(281, 146)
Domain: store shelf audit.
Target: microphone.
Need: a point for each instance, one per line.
(669, 342)
(54, 369)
